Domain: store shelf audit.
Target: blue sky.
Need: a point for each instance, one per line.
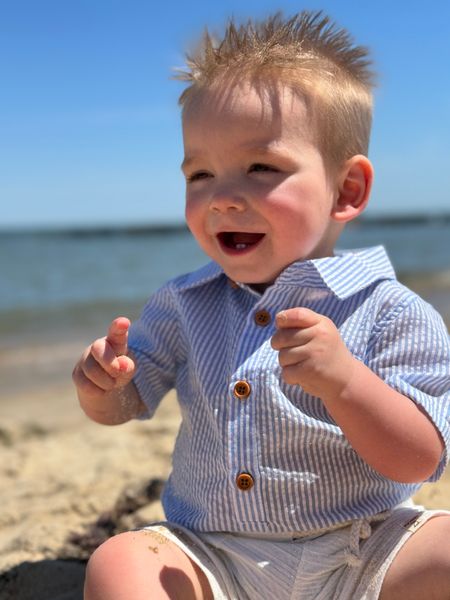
(89, 123)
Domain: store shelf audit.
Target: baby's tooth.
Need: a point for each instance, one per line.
(241, 246)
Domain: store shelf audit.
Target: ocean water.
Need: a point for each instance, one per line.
(60, 290)
(55, 281)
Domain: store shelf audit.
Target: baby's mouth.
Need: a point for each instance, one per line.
(239, 240)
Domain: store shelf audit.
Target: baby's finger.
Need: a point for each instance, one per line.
(127, 366)
(291, 375)
(117, 336)
(84, 384)
(291, 356)
(97, 374)
(297, 318)
(290, 338)
(105, 356)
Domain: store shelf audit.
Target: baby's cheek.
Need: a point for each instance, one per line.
(195, 220)
(190, 213)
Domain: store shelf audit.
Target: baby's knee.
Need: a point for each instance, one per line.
(111, 550)
(110, 565)
(142, 565)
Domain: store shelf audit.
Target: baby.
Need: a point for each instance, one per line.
(314, 388)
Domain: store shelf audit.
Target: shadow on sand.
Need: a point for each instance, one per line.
(44, 580)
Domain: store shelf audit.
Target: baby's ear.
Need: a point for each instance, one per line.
(354, 185)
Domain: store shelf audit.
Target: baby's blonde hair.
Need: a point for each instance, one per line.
(310, 54)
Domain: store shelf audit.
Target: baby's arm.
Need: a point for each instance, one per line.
(389, 431)
(103, 377)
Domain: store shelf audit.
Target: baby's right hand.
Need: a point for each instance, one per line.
(105, 365)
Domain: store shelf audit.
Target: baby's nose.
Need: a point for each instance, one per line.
(227, 199)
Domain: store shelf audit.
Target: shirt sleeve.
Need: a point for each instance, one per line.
(155, 341)
(411, 353)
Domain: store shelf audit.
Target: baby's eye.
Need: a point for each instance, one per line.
(261, 168)
(197, 176)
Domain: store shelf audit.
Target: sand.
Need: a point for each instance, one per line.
(67, 484)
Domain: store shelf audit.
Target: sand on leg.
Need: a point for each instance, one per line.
(143, 565)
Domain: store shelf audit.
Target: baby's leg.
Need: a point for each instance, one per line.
(421, 570)
(143, 565)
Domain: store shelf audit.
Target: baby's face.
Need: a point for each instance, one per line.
(257, 194)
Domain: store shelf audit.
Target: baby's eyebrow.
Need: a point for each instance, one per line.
(264, 149)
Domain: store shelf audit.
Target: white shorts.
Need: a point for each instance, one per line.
(349, 563)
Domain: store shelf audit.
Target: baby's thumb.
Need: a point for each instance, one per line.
(127, 368)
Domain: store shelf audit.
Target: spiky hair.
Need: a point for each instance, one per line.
(310, 53)
(278, 43)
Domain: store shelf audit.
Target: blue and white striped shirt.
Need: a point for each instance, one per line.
(199, 334)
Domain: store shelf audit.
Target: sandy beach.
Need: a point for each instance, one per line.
(67, 483)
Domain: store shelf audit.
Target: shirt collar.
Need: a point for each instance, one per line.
(201, 276)
(345, 273)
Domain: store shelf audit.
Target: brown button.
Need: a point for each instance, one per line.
(244, 481)
(232, 284)
(262, 318)
(242, 390)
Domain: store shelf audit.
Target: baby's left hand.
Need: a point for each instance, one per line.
(312, 353)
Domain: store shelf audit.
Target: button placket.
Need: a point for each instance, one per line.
(243, 389)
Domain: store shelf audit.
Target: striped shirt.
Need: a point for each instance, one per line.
(202, 334)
